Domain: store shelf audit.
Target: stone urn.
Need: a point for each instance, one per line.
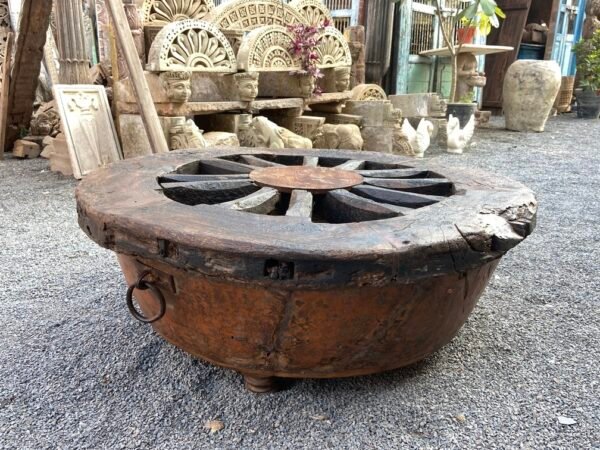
(530, 88)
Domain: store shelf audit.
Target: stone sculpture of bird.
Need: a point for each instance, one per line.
(419, 139)
(459, 138)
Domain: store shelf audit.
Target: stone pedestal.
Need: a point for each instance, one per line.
(377, 124)
(530, 88)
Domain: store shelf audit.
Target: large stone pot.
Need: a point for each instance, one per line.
(530, 88)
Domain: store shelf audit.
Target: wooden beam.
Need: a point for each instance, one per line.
(33, 24)
(4, 87)
(136, 73)
(403, 26)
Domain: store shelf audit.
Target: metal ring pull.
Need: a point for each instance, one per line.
(143, 285)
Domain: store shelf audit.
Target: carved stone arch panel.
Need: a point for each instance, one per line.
(314, 11)
(191, 45)
(333, 50)
(248, 15)
(267, 49)
(163, 12)
(368, 92)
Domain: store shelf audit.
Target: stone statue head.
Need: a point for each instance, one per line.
(342, 79)
(247, 86)
(178, 86)
(307, 84)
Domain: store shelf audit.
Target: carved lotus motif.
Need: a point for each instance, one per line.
(333, 51)
(196, 48)
(314, 11)
(167, 11)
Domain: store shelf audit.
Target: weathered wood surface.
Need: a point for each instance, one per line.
(27, 63)
(152, 123)
(301, 204)
(488, 216)
(6, 41)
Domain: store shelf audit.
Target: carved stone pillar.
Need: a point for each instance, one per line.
(136, 26)
(355, 36)
(74, 60)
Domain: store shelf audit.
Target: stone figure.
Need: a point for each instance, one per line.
(245, 132)
(401, 146)
(457, 138)
(342, 79)
(177, 85)
(468, 77)
(270, 135)
(46, 121)
(247, 86)
(345, 137)
(419, 139)
(307, 85)
(186, 134)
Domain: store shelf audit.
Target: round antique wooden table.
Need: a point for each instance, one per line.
(303, 263)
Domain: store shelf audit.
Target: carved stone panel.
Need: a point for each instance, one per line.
(4, 15)
(267, 49)
(250, 14)
(368, 92)
(88, 127)
(103, 30)
(191, 45)
(314, 11)
(333, 50)
(163, 12)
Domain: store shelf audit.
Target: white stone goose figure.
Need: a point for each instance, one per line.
(457, 138)
(419, 139)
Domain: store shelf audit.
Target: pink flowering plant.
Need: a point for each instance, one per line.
(305, 41)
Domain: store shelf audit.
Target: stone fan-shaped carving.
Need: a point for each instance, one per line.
(267, 49)
(314, 11)
(163, 12)
(333, 49)
(248, 15)
(191, 45)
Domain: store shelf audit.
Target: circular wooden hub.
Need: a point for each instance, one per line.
(312, 179)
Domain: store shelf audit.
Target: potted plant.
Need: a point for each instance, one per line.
(477, 14)
(587, 52)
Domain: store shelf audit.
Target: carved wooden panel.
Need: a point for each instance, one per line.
(6, 41)
(191, 45)
(314, 11)
(103, 29)
(267, 49)
(87, 124)
(163, 12)
(333, 50)
(4, 15)
(250, 14)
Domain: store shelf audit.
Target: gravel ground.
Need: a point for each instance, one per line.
(77, 372)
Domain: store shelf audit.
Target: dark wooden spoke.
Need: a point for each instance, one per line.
(259, 162)
(311, 161)
(395, 173)
(398, 198)
(432, 186)
(353, 164)
(223, 166)
(341, 206)
(301, 204)
(260, 202)
(182, 178)
(209, 192)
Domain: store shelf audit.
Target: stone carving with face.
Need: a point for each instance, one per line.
(345, 137)
(468, 76)
(247, 86)
(270, 135)
(307, 85)
(342, 79)
(177, 85)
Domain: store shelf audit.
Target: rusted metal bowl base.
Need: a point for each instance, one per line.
(264, 332)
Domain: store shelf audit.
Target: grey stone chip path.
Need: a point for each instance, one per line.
(77, 372)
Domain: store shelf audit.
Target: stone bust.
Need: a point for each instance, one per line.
(342, 79)
(185, 134)
(247, 86)
(468, 76)
(307, 85)
(177, 85)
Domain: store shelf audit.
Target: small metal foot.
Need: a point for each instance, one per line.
(260, 385)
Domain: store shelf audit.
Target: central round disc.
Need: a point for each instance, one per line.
(313, 179)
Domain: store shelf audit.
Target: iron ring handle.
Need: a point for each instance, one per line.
(143, 285)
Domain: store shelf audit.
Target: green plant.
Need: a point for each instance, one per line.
(587, 52)
(484, 15)
(467, 98)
